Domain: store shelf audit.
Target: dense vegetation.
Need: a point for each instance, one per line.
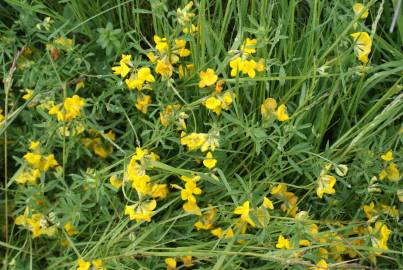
(156, 134)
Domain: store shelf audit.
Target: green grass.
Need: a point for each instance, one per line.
(339, 114)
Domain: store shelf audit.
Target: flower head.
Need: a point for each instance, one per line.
(362, 46)
(358, 8)
(325, 185)
(283, 243)
(244, 212)
(207, 78)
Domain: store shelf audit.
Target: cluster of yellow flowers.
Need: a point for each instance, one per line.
(136, 173)
(379, 236)
(217, 101)
(85, 265)
(171, 263)
(204, 142)
(36, 223)
(70, 109)
(243, 60)
(373, 212)
(391, 171)
(362, 41)
(36, 163)
(269, 110)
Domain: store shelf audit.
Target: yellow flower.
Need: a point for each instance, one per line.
(260, 65)
(161, 44)
(141, 183)
(70, 228)
(22, 220)
(362, 46)
(180, 45)
(279, 189)
(65, 43)
(72, 106)
(370, 212)
(164, 68)
(321, 265)
(210, 161)
(2, 117)
(121, 70)
(126, 59)
(205, 221)
(171, 263)
(137, 80)
(267, 203)
(98, 264)
(244, 212)
(226, 100)
(142, 103)
(194, 140)
(144, 74)
(236, 66)
(249, 67)
(29, 176)
(142, 211)
(214, 104)
(304, 243)
(358, 8)
(28, 95)
(151, 57)
(282, 113)
(227, 234)
(48, 162)
(110, 135)
(34, 145)
(390, 210)
(158, 191)
(268, 108)
(190, 189)
(325, 185)
(391, 172)
(192, 208)
(192, 29)
(33, 159)
(80, 85)
(249, 46)
(133, 82)
(283, 243)
(207, 78)
(187, 261)
(115, 182)
(83, 265)
(379, 236)
(388, 156)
